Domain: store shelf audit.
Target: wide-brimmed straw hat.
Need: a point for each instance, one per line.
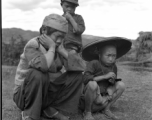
(90, 51)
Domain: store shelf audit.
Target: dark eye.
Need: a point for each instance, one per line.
(66, 6)
(114, 55)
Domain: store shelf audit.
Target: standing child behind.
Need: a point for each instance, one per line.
(76, 25)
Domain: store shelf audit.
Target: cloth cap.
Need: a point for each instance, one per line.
(72, 1)
(57, 22)
(90, 50)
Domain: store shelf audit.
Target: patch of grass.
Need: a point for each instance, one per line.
(140, 69)
(134, 104)
(138, 66)
(9, 109)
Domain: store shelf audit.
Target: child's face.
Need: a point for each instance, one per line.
(57, 37)
(108, 55)
(68, 7)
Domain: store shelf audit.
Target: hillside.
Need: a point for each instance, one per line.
(141, 48)
(8, 33)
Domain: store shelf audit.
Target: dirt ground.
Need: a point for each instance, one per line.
(134, 104)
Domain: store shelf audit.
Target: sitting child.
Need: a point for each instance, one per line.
(100, 77)
(107, 70)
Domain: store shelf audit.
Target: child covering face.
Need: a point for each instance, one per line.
(41, 87)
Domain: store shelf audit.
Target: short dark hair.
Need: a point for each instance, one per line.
(49, 30)
(100, 50)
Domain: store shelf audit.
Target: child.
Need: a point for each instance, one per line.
(100, 77)
(76, 25)
(40, 86)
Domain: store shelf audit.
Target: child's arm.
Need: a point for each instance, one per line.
(110, 75)
(78, 27)
(89, 72)
(62, 51)
(37, 59)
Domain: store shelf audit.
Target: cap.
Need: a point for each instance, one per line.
(57, 22)
(72, 1)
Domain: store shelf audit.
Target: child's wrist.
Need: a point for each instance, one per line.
(70, 18)
(105, 77)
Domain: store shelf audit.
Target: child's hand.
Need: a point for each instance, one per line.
(73, 51)
(61, 50)
(67, 15)
(112, 81)
(110, 75)
(47, 41)
(55, 36)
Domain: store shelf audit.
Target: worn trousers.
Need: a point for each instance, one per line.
(37, 94)
(32, 96)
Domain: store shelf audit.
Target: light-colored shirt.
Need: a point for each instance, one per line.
(33, 57)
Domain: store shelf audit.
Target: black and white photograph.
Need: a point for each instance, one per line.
(76, 60)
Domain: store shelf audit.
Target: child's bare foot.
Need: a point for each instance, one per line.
(110, 115)
(88, 116)
(61, 117)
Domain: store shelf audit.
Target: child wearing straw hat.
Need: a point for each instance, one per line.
(102, 87)
(76, 25)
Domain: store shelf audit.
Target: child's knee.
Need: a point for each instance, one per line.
(92, 85)
(120, 86)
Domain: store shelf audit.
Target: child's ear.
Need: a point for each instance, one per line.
(96, 51)
(44, 31)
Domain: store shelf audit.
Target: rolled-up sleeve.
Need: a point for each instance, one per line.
(80, 24)
(74, 62)
(35, 57)
(89, 72)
